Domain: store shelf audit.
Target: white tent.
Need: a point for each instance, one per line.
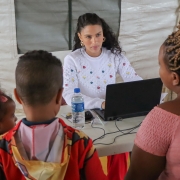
(144, 26)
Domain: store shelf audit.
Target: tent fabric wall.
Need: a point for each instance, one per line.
(144, 26)
(41, 25)
(8, 52)
(45, 24)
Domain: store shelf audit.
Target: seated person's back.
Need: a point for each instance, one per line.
(42, 146)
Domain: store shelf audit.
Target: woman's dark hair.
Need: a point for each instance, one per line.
(111, 42)
(172, 51)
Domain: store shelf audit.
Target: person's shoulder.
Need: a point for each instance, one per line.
(171, 107)
(159, 120)
(108, 54)
(161, 117)
(116, 54)
(121, 55)
(78, 135)
(9, 134)
(75, 54)
(5, 139)
(82, 142)
(79, 138)
(73, 133)
(163, 110)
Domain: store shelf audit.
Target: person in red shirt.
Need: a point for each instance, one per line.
(7, 117)
(7, 113)
(41, 146)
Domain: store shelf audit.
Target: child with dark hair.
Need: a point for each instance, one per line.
(7, 113)
(7, 118)
(42, 146)
(155, 154)
(93, 64)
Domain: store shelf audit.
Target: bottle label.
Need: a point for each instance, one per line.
(77, 107)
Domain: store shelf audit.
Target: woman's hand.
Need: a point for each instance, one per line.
(103, 105)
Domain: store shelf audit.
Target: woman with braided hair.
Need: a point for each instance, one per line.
(156, 154)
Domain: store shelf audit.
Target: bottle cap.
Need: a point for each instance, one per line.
(76, 90)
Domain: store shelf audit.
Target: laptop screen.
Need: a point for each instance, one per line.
(131, 99)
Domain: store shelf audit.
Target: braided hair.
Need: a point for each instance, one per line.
(172, 51)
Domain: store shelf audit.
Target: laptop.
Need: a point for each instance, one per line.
(131, 99)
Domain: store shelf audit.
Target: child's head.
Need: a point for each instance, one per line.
(38, 79)
(7, 110)
(169, 60)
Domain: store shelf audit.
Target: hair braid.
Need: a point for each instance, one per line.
(172, 55)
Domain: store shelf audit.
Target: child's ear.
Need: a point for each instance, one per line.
(17, 96)
(59, 96)
(175, 79)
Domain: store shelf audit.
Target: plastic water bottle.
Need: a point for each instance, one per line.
(77, 104)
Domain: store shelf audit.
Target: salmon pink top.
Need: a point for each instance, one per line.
(159, 134)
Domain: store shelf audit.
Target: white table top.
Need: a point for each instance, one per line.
(122, 144)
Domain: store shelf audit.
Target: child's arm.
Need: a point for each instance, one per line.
(92, 167)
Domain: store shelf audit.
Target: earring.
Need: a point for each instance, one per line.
(82, 44)
(104, 39)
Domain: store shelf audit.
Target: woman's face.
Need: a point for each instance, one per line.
(92, 38)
